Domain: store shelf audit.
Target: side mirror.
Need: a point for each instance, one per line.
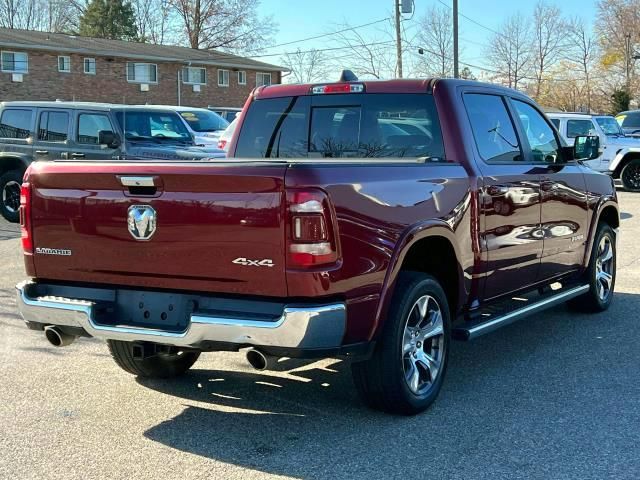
(586, 148)
(108, 138)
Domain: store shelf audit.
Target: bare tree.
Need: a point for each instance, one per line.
(226, 24)
(61, 15)
(23, 14)
(367, 56)
(435, 37)
(306, 66)
(618, 28)
(548, 27)
(155, 20)
(583, 51)
(510, 51)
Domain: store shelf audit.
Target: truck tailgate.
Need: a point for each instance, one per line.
(215, 227)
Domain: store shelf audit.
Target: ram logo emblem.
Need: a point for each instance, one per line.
(141, 220)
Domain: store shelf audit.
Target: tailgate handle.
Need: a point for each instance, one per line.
(141, 186)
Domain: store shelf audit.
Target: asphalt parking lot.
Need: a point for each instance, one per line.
(556, 396)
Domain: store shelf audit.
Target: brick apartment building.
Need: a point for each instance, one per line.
(50, 66)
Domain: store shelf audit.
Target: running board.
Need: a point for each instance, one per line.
(476, 329)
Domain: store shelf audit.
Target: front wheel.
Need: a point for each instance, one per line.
(160, 365)
(601, 273)
(10, 184)
(406, 371)
(630, 176)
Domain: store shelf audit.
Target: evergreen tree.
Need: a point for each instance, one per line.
(111, 19)
(620, 101)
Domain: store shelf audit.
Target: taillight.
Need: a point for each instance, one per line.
(25, 217)
(222, 144)
(311, 239)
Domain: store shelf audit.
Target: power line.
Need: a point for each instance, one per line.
(329, 34)
(388, 42)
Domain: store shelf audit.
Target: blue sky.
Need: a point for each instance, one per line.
(300, 19)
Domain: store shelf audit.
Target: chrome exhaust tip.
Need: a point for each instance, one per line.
(57, 337)
(259, 360)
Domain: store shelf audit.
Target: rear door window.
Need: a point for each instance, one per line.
(630, 120)
(577, 128)
(15, 123)
(339, 126)
(493, 128)
(53, 126)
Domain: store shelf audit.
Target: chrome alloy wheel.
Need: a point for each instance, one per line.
(11, 196)
(604, 268)
(423, 345)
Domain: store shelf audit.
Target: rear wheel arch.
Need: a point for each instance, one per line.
(9, 163)
(433, 251)
(436, 256)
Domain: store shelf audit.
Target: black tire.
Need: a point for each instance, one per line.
(158, 366)
(593, 301)
(10, 183)
(381, 381)
(630, 175)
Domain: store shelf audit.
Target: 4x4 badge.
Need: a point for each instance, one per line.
(267, 262)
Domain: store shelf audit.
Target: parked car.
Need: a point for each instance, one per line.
(227, 135)
(204, 125)
(228, 113)
(629, 121)
(72, 130)
(327, 235)
(620, 153)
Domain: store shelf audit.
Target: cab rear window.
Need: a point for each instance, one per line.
(342, 126)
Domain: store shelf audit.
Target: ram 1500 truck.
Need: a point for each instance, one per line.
(368, 220)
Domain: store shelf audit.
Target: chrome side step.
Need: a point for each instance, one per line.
(478, 328)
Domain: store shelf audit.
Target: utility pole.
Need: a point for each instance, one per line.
(627, 61)
(456, 72)
(398, 38)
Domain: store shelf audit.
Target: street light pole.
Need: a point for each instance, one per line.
(398, 38)
(456, 72)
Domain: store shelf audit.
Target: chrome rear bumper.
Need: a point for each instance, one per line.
(299, 326)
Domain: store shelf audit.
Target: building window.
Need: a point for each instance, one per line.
(223, 78)
(54, 127)
(90, 66)
(142, 72)
(64, 64)
(263, 79)
(15, 62)
(194, 75)
(242, 78)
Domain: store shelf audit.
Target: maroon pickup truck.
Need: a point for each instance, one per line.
(368, 220)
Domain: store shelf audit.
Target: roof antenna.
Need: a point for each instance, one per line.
(348, 76)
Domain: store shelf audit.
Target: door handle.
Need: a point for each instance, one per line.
(42, 152)
(77, 155)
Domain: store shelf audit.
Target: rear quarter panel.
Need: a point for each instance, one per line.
(381, 208)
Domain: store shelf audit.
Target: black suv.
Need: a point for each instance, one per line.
(32, 131)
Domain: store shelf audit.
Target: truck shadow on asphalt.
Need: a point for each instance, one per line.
(309, 423)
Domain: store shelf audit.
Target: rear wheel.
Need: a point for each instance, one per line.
(406, 371)
(601, 273)
(630, 175)
(10, 183)
(160, 365)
